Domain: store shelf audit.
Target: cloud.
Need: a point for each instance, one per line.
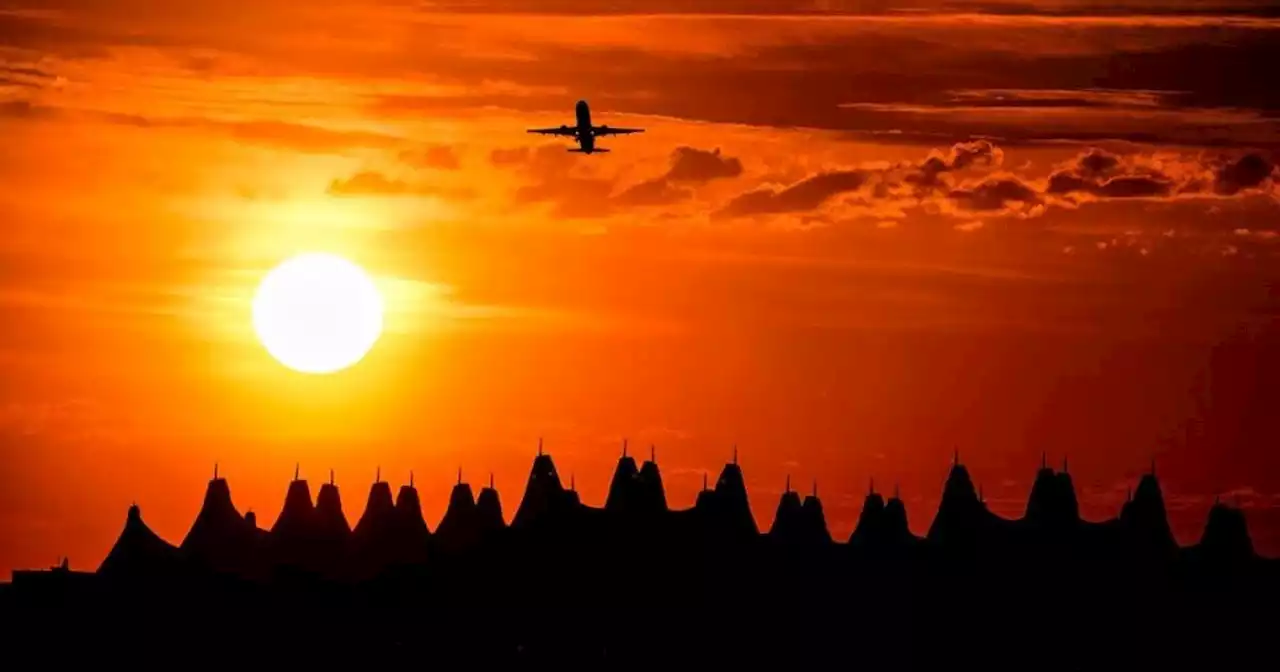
(689, 164)
(1248, 172)
(440, 157)
(959, 157)
(995, 194)
(1101, 174)
(559, 177)
(373, 183)
(25, 110)
(802, 196)
(967, 178)
(653, 192)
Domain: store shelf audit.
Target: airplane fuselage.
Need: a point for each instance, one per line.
(583, 132)
(586, 138)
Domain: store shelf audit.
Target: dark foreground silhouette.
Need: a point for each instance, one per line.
(637, 582)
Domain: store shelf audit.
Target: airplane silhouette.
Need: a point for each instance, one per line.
(584, 133)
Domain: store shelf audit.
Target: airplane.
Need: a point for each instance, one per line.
(584, 133)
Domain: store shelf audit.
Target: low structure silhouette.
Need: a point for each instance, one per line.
(568, 579)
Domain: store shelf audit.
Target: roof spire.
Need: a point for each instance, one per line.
(653, 454)
(704, 482)
(573, 482)
(330, 475)
(459, 475)
(411, 478)
(624, 447)
(296, 468)
(539, 446)
(735, 453)
(815, 488)
(215, 471)
(788, 483)
(377, 475)
(491, 480)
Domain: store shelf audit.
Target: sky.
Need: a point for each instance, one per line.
(855, 237)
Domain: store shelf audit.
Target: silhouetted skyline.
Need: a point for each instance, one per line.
(548, 585)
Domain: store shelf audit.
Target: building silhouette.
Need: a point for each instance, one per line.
(637, 580)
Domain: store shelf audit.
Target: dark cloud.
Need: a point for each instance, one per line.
(559, 177)
(22, 109)
(689, 164)
(961, 156)
(26, 77)
(994, 194)
(653, 192)
(441, 157)
(1097, 162)
(802, 196)
(1134, 186)
(882, 8)
(1094, 175)
(373, 183)
(1247, 172)
(1102, 174)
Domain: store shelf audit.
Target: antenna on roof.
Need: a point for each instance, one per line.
(296, 468)
(539, 446)
(653, 454)
(377, 475)
(624, 447)
(573, 483)
(459, 475)
(735, 453)
(411, 478)
(788, 483)
(704, 481)
(330, 475)
(491, 480)
(215, 471)
(815, 487)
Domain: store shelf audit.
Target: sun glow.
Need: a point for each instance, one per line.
(317, 313)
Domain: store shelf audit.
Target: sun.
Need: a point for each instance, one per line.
(317, 313)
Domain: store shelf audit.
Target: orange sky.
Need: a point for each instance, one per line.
(1007, 228)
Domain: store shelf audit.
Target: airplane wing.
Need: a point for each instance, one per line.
(562, 130)
(609, 130)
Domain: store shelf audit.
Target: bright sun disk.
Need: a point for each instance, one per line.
(317, 313)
